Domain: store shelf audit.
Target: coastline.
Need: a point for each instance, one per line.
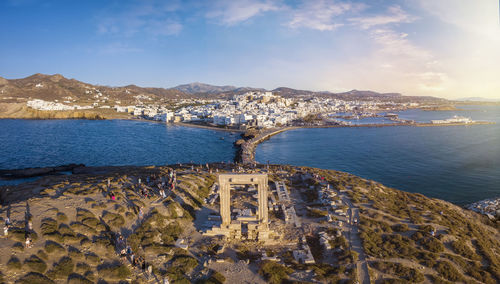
(184, 124)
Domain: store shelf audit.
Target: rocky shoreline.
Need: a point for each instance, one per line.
(489, 207)
(33, 172)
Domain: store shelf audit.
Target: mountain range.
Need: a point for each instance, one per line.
(478, 99)
(57, 87)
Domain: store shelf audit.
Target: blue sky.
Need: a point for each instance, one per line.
(445, 48)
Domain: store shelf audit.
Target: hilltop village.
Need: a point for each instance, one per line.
(251, 109)
(225, 223)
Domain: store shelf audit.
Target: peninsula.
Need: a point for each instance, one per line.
(154, 224)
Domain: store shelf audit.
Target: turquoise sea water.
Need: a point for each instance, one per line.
(460, 164)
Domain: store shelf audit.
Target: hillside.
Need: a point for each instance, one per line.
(57, 87)
(387, 235)
(61, 89)
(194, 88)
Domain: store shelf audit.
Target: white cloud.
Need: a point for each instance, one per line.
(395, 15)
(321, 15)
(232, 12)
(433, 81)
(398, 44)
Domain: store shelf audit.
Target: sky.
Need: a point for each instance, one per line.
(443, 48)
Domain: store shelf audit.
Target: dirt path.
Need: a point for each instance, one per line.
(355, 241)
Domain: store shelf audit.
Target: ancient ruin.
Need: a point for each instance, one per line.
(245, 225)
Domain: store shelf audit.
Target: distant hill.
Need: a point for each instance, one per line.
(195, 88)
(478, 99)
(57, 87)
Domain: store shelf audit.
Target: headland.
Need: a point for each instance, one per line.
(147, 224)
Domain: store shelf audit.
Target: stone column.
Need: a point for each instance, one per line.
(263, 217)
(225, 203)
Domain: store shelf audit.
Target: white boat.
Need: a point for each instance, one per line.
(454, 119)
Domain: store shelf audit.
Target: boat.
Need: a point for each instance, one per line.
(454, 119)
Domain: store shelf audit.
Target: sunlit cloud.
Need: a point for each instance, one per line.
(321, 15)
(394, 15)
(432, 81)
(447, 48)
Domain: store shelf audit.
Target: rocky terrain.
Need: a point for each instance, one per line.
(77, 228)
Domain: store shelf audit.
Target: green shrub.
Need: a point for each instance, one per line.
(82, 267)
(86, 217)
(184, 263)
(74, 252)
(65, 229)
(61, 217)
(378, 245)
(14, 263)
(53, 247)
(438, 280)
(48, 226)
(433, 244)
(215, 278)
(17, 234)
(83, 229)
(274, 272)
(316, 213)
(448, 271)
(427, 258)
(18, 247)
(461, 248)
(129, 215)
(92, 257)
(36, 264)
(113, 271)
(400, 227)
(78, 279)
(85, 242)
(89, 275)
(397, 269)
(42, 254)
(62, 269)
(120, 209)
(326, 272)
(114, 220)
(34, 278)
(104, 241)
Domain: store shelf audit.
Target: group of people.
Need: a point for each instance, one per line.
(163, 183)
(126, 253)
(28, 241)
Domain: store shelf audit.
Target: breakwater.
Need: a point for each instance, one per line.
(246, 152)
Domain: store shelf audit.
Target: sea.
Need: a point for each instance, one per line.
(460, 164)
(45, 143)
